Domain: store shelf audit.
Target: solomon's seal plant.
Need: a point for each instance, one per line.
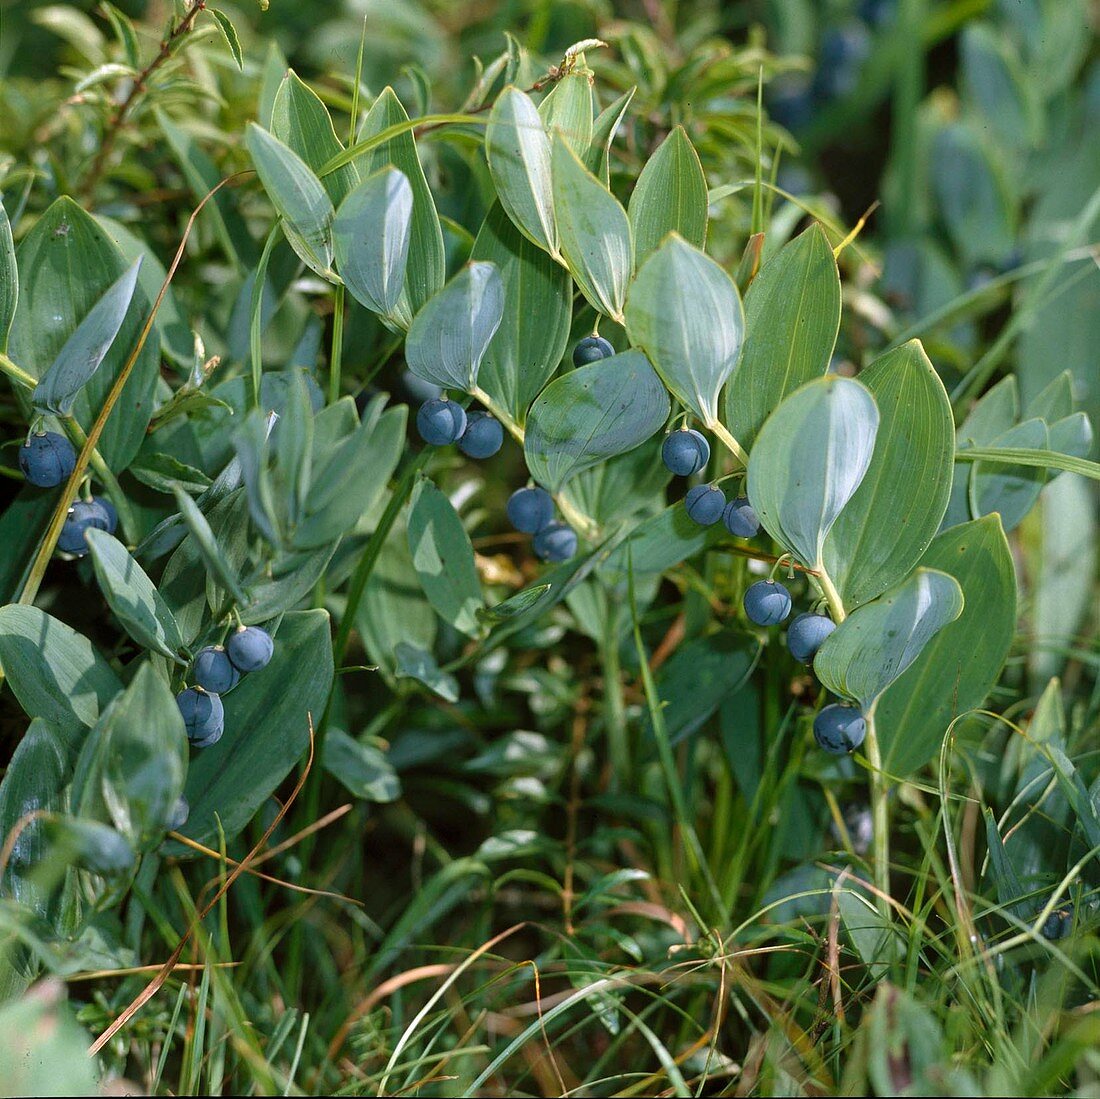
(251, 591)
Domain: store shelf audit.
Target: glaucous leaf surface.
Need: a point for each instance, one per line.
(685, 313)
(792, 315)
(144, 758)
(35, 780)
(593, 232)
(371, 237)
(592, 414)
(568, 110)
(86, 348)
(959, 666)
(299, 197)
(133, 597)
(54, 672)
(426, 270)
(538, 298)
(448, 338)
(419, 664)
(598, 158)
(444, 559)
(884, 529)
(66, 264)
(301, 122)
(518, 150)
(267, 721)
(990, 417)
(878, 641)
(669, 197)
(809, 459)
(1011, 491)
(207, 545)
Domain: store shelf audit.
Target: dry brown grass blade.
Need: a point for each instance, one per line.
(209, 852)
(155, 984)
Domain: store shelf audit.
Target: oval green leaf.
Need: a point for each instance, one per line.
(444, 558)
(66, 264)
(448, 338)
(538, 300)
(133, 597)
(371, 236)
(685, 313)
(669, 197)
(961, 664)
(54, 672)
(808, 461)
(593, 232)
(792, 315)
(298, 196)
(267, 723)
(885, 528)
(9, 278)
(427, 265)
(86, 348)
(518, 150)
(878, 641)
(1009, 490)
(591, 414)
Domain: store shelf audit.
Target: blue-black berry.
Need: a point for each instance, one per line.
(556, 542)
(767, 602)
(705, 504)
(840, 729)
(483, 436)
(530, 509)
(203, 716)
(250, 648)
(740, 518)
(685, 452)
(1058, 924)
(591, 350)
(441, 422)
(47, 459)
(83, 515)
(805, 635)
(213, 671)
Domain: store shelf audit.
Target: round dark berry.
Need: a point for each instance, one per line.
(47, 459)
(250, 648)
(213, 671)
(591, 350)
(441, 422)
(530, 509)
(740, 518)
(203, 716)
(705, 504)
(83, 515)
(767, 602)
(483, 436)
(840, 729)
(805, 635)
(556, 542)
(685, 452)
(108, 512)
(1058, 924)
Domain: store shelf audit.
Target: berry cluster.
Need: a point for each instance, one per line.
(838, 728)
(47, 459)
(442, 421)
(216, 670)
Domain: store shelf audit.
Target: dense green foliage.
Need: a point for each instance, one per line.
(341, 758)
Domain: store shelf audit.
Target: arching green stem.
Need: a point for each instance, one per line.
(730, 443)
